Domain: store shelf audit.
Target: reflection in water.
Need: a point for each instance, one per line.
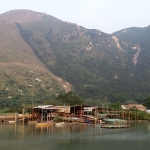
(149, 127)
(19, 136)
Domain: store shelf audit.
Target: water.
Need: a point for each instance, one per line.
(28, 137)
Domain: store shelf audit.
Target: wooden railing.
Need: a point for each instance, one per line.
(14, 115)
(7, 114)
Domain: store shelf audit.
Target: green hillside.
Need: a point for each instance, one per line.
(98, 66)
(23, 78)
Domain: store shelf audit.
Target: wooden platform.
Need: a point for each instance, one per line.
(5, 117)
(114, 126)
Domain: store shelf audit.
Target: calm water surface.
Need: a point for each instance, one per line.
(28, 137)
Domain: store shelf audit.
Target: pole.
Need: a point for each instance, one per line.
(42, 116)
(74, 110)
(15, 116)
(81, 111)
(23, 114)
(51, 115)
(95, 115)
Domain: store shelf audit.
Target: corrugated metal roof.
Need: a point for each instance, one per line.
(86, 109)
(50, 108)
(43, 106)
(114, 120)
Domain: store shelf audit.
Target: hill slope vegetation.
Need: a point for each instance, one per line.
(98, 66)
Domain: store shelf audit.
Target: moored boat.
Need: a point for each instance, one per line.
(32, 122)
(44, 124)
(12, 121)
(59, 124)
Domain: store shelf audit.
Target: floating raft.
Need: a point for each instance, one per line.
(114, 120)
(114, 126)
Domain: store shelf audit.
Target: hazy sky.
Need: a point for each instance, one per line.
(106, 15)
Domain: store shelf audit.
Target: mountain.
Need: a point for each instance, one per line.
(23, 77)
(40, 54)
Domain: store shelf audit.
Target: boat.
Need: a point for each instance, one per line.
(12, 121)
(32, 122)
(114, 123)
(44, 124)
(59, 124)
(114, 120)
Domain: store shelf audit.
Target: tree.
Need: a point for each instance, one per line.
(70, 98)
(147, 102)
(115, 106)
